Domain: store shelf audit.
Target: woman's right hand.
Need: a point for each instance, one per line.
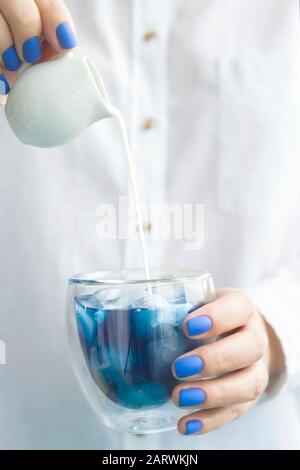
(32, 31)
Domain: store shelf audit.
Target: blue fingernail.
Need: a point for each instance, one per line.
(193, 426)
(32, 49)
(199, 325)
(4, 86)
(66, 36)
(187, 366)
(11, 59)
(191, 397)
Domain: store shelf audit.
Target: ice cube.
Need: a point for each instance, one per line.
(108, 295)
(173, 292)
(181, 311)
(113, 298)
(149, 312)
(89, 313)
(163, 349)
(150, 301)
(194, 294)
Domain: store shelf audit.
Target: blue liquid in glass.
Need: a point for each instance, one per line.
(130, 351)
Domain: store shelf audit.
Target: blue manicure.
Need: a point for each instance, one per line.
(11, 60)
(191, 397)
(4, 86)
(199, 325)
(32, 50)
(193, 426)
(66, 36)
(187, 366)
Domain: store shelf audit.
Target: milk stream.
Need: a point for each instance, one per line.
(117, 115)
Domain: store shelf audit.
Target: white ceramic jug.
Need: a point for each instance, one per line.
(54, 101)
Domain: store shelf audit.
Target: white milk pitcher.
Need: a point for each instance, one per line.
(52, 102)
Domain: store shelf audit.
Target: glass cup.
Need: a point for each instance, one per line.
(124, 334)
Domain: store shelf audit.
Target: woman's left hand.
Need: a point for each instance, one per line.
(224, 379)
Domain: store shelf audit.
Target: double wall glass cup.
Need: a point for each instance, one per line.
(124, 334)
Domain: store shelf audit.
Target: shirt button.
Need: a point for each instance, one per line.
(149, 35)
(148, 124)
(147, 226)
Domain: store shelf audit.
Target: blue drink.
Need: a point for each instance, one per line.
(129, 351)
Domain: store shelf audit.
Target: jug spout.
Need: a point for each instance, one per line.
(103, 108)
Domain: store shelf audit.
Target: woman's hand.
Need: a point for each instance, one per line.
(31, 31)
(236, 368)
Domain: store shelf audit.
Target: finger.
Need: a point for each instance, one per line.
(229, 312)
(236, 388)
(48, 53)
(9, 57)
(206, 421)
(25, 23)
(234, 352)
(58, 26)
(4, 86)
(6, 80)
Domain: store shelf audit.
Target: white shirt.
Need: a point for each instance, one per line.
(221, 81)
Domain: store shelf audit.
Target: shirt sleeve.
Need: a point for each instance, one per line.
(278, 299)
